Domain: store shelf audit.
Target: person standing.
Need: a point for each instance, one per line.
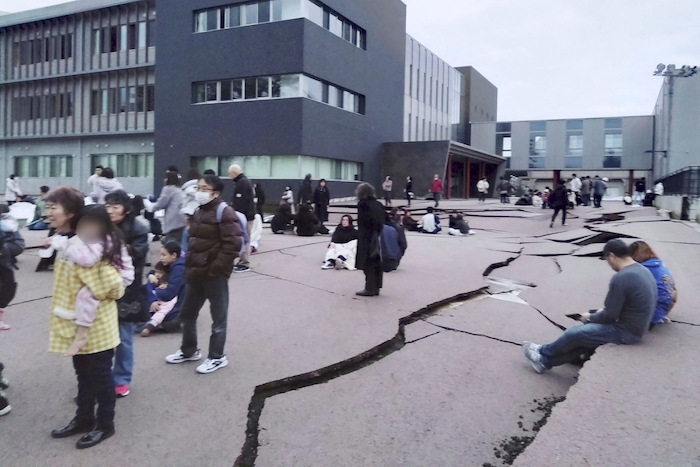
(387, 186)
(436, 189)
(103, 185)
(575, 186)
(586, 190)
(371, 217)
(505, 187)
(11, 245)
(242, 202)
(214, 243)
(306, 192)
(12, 191)
(259, 199)
(409, 190)
(559, 200)
(171, 199)
(95, 175)
(322, 199)
(599, 187)
(482, 187)
(640, 189)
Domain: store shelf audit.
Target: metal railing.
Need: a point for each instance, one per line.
(684, 182)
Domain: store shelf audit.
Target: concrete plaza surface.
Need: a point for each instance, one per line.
(429, 373)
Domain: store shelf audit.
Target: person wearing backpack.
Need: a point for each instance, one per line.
(559, 200)
(394, 245)
(215, 241)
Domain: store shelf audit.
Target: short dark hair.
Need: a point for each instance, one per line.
(171, 178)
(365, 191)
(616, 247)
(430, 209)
(122, 198)
(214, 182)
(71, 200)
(98, 167)
(193, 174)
(44, 189)
(172, 168)
(172, 247)
(209, 172)
(107, 173)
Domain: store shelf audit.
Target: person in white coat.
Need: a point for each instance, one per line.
(12, 191)
(104, 185)
(482, 187)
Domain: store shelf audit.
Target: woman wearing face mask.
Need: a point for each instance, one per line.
(214, 243)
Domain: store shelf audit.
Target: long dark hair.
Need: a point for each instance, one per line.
(111, 235)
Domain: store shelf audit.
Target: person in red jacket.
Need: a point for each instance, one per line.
(436, 189)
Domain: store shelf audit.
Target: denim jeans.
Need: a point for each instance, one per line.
(214, 289)
(581, 339)
(95, 384)
(124, 356)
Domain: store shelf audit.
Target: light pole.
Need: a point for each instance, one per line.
(671, 72)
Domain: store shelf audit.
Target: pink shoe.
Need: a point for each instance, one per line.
(4, 326)
(122, 390)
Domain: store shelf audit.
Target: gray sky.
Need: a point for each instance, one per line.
(553, 58)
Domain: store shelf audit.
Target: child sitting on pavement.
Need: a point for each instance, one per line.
(158, 279)
(169, 321)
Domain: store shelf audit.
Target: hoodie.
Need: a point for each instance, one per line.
(12, 244)
(12, 190)
(665, 287)
(189, 204)
(102, 187)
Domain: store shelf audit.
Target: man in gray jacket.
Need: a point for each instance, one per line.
(629, 306)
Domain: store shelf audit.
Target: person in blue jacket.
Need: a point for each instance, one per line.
(170, 257)
(666, 287)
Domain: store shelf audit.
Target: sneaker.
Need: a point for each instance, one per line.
(122, 390)
(531, 346)
(328, 265)
(239, 269)
(551, 225)
(4, 405)
(4, 383)
(565, 225)
(210, 365)
(179, 357)
(533, 356)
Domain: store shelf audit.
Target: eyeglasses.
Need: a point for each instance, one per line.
(205, 189)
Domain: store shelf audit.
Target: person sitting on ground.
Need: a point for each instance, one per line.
(525, 199)
(342, 250)
(665, 285)
(394, 245)
(629, 307)
(283, 221)
(408, 222)
(40, 221)
(627, 199)
(545, 197)
(430, 223)
(459, 226)
(165, 302)
(537, 199)
(306, 222)
(158, 280)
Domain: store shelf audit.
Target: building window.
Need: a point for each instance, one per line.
(613, 150)
(44, 166)
(574, 155)
(46, 106)
(45, 49)
(504, 147)
(283, 167)
(125, 165)
(538, 151)
(276, 87)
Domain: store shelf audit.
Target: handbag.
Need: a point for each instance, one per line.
(375, 246)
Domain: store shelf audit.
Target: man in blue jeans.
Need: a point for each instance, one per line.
(629, 306)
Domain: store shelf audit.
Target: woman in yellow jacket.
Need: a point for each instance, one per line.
(95, 344)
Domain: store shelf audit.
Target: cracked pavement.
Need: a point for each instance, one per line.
(429, 373)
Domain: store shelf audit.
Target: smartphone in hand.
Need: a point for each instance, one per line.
(574, 316)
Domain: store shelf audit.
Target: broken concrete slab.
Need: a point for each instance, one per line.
(548, 249)
(529, 269)
(675, 232)
(379, 415)
(569, 236)
(593, 250)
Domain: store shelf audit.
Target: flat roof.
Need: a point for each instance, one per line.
(560, 119)
(57, 11)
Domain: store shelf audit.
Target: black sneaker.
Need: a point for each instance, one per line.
(240, 269)
(4, 405)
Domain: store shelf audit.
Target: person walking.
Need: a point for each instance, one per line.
(135, 235)
(243, 195)
(104, 184)
(504, 188)
(482, 186)
(409, 190)
(586, 190)
(322, 199)
(12, 191)
(640, 189)
(599, 187)
(436, 189)
(171, 200)
(214, 243)
(559, 200)
(387, 186)
(371, 217)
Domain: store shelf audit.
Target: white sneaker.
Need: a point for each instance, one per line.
(210, 365)
(533, 356)
(179, 357)
(531, 346)
(328, 265)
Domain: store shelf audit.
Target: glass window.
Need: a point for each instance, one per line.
(536, 162)
(575, 144)
(237, 89)
(285, 167)
(286, 9)
(226, 90)
(325, 168)
(233, 16)
(263, 87)
(200, 21)
(150, 99)
(142, 35)
(315, 12)
(226, 162)
(198, 93)
(205, 163)
(96, 41)
(347, 31)
(612, 162)
(307, 165)
(43, 166)
(213, 19)
(132, 99)
(613, 143)
(122, 99)
(95, 104)
(538, 145)
(264, 11)
(123, 37)
(212, 91)
(335, 25)
(258, 166)
(289, 86)
(538, 126)
(251, 13)
(348, 101)
(313, 89)
(335, 96)
(613, 123)
(250, 92)
(140, 98)
(574, 124)
(276, 86)
(131, 37)
(151, 33)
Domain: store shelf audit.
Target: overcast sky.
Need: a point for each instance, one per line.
(553, 58)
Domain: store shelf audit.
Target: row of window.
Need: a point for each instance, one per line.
(42, 50)
(125, 165)
(283, 167)
(124, 37)
(277, 87)
(266, 11)
(43, 166)
(122, 99)
(47, 106)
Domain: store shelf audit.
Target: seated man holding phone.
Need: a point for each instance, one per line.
(629, 306)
